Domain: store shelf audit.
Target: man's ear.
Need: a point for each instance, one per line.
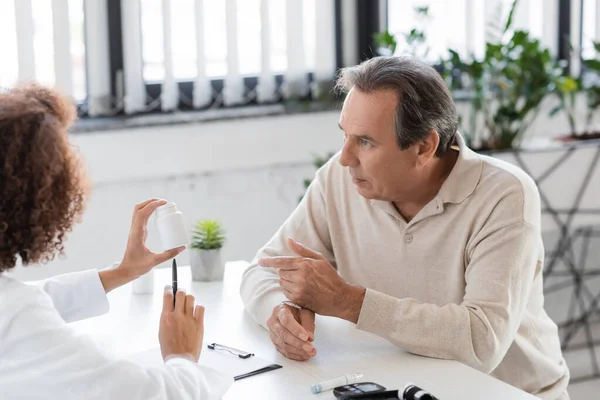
(427, 147)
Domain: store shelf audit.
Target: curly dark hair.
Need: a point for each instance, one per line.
(43, 184)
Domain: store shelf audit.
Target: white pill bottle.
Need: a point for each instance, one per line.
(170, 226)
(172, 233)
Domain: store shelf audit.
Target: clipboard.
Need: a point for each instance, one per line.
(239, 363)
(226, 362)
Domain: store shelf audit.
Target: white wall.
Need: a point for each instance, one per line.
(247, 173)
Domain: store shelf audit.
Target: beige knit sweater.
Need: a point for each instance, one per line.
(462, 280)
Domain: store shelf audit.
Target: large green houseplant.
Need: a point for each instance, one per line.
(506, 88)
(521, 76)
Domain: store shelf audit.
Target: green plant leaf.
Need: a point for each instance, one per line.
(208, 234)
(454, 55)
(386, 40)
(422, 10)
(555, 110)
(510, 16)
(592, 64)
(567, 84)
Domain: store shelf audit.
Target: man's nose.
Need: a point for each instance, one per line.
(347, 157)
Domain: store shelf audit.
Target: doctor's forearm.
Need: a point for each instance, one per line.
(114, 278)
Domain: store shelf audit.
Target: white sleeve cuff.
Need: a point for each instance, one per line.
(77, 295)
(188, 357)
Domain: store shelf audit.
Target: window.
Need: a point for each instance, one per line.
(466, 25)
(133, 56)
(43, 40)
(136, 55)
(189, 41)
(590, 27)
(444, 26)
(215, 28)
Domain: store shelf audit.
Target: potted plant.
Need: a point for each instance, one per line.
(507, 87)
(207, 241)
(522, 72)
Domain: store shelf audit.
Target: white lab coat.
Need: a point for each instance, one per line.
(42, 357)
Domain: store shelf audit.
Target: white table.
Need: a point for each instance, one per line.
(132, 326)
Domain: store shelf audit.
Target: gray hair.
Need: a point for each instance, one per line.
(424, 101)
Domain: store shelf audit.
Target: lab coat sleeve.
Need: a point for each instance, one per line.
(77, 295)
(64, 364)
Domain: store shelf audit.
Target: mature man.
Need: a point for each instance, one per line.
(414, 237)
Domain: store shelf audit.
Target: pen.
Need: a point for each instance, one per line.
(335, 382)
(174, 279)
(235, 352)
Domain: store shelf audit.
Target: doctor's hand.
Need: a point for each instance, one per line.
(138, 259)
(181, 328)
(310, 281)
(292, 331)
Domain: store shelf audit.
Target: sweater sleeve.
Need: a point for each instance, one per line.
(504, 259)
(260, 290)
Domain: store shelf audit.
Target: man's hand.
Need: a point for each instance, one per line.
(138, 259)
(310, 281)
(292, 331)
(181, 328)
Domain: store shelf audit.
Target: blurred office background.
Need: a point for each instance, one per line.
(226, 108)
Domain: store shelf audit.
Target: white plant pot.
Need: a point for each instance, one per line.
(207, 265)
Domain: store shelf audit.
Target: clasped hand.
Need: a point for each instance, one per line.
(312, 283)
